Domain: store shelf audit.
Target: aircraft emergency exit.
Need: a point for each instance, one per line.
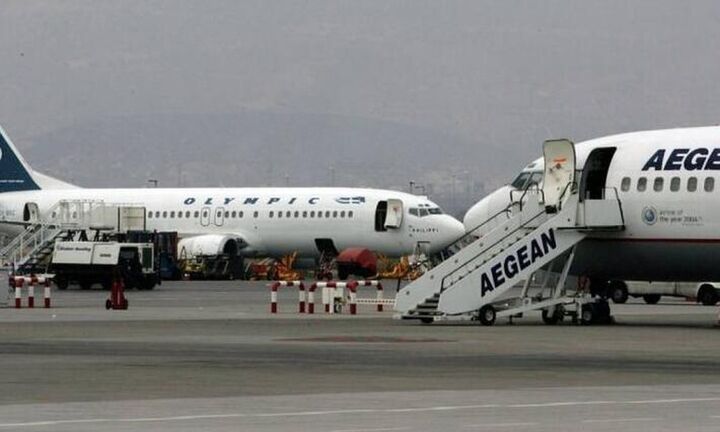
(244, 221)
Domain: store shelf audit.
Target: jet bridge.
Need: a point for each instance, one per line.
(542, 230)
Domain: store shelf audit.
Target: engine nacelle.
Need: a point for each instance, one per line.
(209, 244)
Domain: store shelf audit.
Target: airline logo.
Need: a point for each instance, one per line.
(350, 200)
(684, 158)
(508, 267)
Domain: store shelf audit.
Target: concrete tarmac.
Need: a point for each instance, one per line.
(209, 356)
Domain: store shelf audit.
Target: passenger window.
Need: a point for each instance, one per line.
(642, 184)
(227, 214)
(350, 214)
(271, 214)
(164, 214)
(234, 214)
(658, 184)
(304, 214)
(625, 185)
(187, 214)
(327, 214)
(297, 214)
(335, 214)
(709, 184)
(342, 214)
(692, 184)
(675, 184)
(149, 215)
(197, 214)
(172, 214)
(241, 214)
(288, 214)
(280, 214)
(413, 211)
(179, 215)
(157, 214)
(312, 214)
(206, 213)
(255, 214)
(319, 214)
(218, 214)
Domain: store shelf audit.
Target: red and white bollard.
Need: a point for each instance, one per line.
(352, 287)
(31, 291)
(273, 298)
(46, 294)
(18, 291)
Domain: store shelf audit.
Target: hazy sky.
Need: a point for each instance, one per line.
(494, 73)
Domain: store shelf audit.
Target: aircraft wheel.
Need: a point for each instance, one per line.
(426, 320)
(487, 315)
(618, 292)
(651, 298)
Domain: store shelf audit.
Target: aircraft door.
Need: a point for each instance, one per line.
(31, 213)
(594, 174)
(559, 158)
(219, 216)
(205, 216)
(394, 216)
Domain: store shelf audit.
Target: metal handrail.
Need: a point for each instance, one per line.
(485, 222)
(523, 225)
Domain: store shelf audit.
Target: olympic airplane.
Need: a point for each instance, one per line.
(667, 184)
(245, 221)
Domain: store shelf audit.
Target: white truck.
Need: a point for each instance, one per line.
(86, 263)
(706, 293)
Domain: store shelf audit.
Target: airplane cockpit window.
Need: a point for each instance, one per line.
(535, 178)
(519, 182)
(435, 211)
(423, 212)
(414, 212)
(525, 179)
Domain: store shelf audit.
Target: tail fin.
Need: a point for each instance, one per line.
(15, 173)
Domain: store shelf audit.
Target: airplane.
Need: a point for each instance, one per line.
(244, 221)
(667, 184)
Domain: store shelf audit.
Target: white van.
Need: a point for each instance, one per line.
(703, 292)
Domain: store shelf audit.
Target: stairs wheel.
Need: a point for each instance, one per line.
(487, 315)
(554, 318)
(651, 299)
(618, 292)
(426, 320)
(587, 315)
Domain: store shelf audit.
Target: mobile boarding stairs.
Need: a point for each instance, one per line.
(528, 241)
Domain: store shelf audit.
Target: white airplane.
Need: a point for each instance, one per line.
(667, 182)
(245, 221)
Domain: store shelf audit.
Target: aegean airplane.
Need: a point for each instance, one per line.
(667, 183)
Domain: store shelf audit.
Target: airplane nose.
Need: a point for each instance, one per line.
(453, 229)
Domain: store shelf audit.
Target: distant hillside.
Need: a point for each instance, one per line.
(260, 148)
